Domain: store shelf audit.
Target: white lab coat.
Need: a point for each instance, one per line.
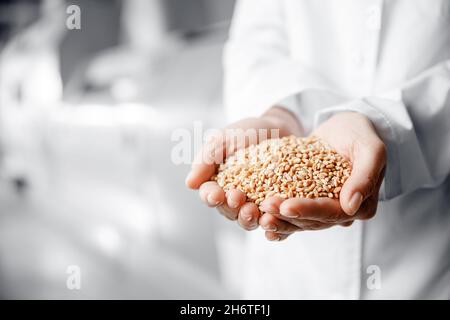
(389, 60)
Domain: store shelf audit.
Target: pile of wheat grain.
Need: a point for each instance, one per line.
(288, 167)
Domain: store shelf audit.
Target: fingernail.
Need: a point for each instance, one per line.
(355, 202)
(268, 208)
(249, 218)
(233, 205)
(289, 214)
(276, 239)
(270, 227)
(213, 201)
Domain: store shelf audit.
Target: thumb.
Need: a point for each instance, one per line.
(205, 161)
(368, 163)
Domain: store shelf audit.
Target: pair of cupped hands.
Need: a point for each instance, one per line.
(351, 134)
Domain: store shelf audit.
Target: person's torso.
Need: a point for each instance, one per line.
(364, 48)
(402, 253)
(368, 47)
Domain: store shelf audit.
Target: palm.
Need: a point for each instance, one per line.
(353, 136)
(277, 122)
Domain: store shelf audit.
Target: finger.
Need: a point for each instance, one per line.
(271, 205)
(199, 175)
(373, 200)
(273, 236)
(270, 223)
(212, 194)
(201, 170)
(346, 224)
(235, 198)
(249, 216)
(301, 223)
(227, 212)
(368, 208)
(369, 159)
(318, 226)
(206, 161)
(322, 209)
(306, 224)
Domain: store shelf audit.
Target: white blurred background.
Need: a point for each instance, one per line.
(86, 178)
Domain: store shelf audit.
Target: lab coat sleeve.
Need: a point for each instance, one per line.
(258, 70)
(415, 128)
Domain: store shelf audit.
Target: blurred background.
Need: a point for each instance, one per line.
(86, 123)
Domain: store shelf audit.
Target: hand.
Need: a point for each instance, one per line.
(232, 204)
(353, 136)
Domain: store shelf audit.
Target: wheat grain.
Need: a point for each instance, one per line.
(288, 167)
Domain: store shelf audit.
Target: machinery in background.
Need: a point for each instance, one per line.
(99, 180)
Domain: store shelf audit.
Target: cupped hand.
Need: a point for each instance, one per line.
(277, 122)
(352, 135)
